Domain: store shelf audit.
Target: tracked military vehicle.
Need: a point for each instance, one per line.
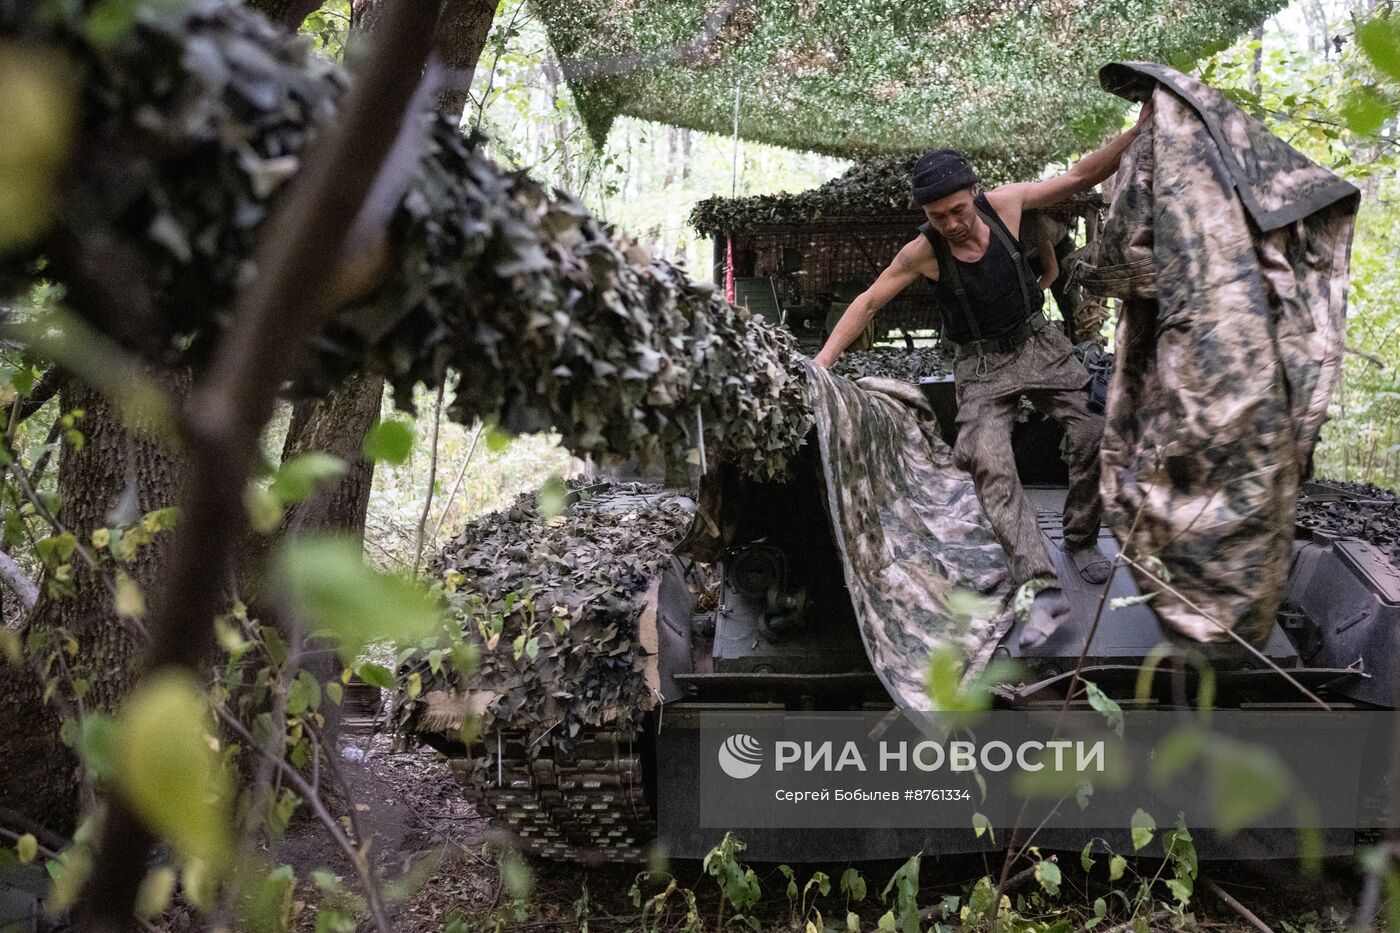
(596, 757)
(771, 626)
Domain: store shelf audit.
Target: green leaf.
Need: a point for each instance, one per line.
(271, 905)
(328, 581)
(129, 602)
(853, 884)
(1246, 782)
(263, 507)
(27, 848)
(376, 675)
(1380, 40)
(1178, 846)
(97, 745)
(552, 497)
(303, 477)
(389, 441)
(1100, 908)
(1143, 828)
(166, 769)
(1175, 753)
(1365, 110)
(1086, 860)
(200, 883)
(1116, 866)
(498, 439)
(1048, 874)
(1180, 889)
(1112, 712)
(304, 694)
(155, 892)
(1392, 899)
(56, 548)
(37, 125)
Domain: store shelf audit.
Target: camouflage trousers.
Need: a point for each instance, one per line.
(1046, 372)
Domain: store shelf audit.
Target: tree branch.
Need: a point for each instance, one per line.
(297, 258)
(25, 589)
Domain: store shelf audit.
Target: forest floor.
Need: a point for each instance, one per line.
(426, 833)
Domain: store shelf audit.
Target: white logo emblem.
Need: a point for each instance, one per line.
(740, 756)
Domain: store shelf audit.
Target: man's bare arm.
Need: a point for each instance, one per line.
(898, 276)
(1083, 175)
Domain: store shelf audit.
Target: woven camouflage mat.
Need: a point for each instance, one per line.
(910, 532)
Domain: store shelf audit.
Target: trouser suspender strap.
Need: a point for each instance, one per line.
(946, 266)
(1022, 273)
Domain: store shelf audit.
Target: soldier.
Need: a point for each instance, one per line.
(992, 310)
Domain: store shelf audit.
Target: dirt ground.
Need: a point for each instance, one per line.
(422, 826)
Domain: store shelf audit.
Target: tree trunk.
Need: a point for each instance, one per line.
(115, 470)
(671, 133)
(461, 35)
(338, 424)
(289, 13)
(1256, 63)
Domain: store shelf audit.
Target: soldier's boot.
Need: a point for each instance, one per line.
(1049, 610)
(1093, 565)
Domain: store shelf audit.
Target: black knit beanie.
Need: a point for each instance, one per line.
(939, 174)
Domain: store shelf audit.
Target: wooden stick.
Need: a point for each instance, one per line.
(1238, 908)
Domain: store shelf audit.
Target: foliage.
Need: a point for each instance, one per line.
(38, 120)
(471, 480)
(737, 882)
(1009, 86)
(1331, 99)
(197, 143)
(167, 769)
(325, 580)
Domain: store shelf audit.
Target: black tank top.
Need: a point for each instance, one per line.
(995, 291)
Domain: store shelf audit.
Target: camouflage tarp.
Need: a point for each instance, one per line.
(909, 530)
(1230, 251)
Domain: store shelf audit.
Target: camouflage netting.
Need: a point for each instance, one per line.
(189, 124)
(1374, 516)
(872, 188)
(1008, 83)
(565, 592)
(894, 363)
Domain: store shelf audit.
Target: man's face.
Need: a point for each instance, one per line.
(953, 216)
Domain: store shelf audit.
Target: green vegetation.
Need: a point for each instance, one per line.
(220, 760)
